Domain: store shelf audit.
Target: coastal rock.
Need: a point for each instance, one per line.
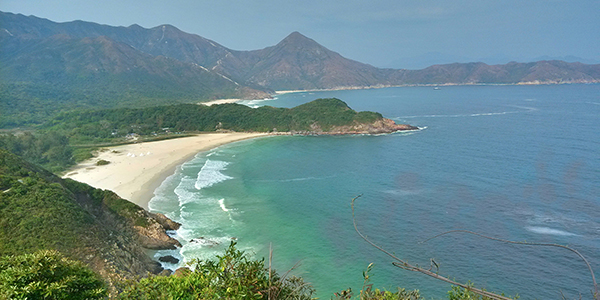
(169, 259)
(167, 223)
(204, 242)
(154, 237)
(380, 126)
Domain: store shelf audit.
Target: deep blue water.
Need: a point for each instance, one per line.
(513, 162)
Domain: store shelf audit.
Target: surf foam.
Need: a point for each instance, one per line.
(211, 174)
(550, 231)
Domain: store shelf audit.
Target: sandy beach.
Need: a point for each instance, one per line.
(136, 170)
(219, 101)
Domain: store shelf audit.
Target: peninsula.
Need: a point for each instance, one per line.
(133, 171)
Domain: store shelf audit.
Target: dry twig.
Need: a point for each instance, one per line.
(405, 265)
(527, 244)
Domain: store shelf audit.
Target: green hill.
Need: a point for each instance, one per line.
(321, 116)
(39, 210)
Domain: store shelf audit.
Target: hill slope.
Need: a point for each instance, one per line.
(41, 211)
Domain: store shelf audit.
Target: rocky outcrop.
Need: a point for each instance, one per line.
(380, 126)
(169, 259)
(166, 223)
(154, 237)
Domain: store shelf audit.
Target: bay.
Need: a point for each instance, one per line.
(514, 162)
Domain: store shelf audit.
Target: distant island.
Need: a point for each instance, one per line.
(48, 67)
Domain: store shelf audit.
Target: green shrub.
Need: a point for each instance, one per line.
(232, 276)
(102, 162)
(48, 275)
(368, 293)
(458, 293)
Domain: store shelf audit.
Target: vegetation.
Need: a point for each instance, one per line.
(105, 125)
(40, 211)
(232, 276)
(37, 211)
(102, 162)
(71, 136)
(48, 275)
(50, 150)
(368, 293)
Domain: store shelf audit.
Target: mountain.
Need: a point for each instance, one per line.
(39, 210)
(298, 62)
(511, 73)
(48, 67)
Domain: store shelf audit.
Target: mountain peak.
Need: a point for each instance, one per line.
(297, 38)
(296, 35)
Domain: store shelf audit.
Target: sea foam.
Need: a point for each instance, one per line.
(550, 231)
(211, 174)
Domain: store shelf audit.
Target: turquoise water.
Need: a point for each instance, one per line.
(513, 162)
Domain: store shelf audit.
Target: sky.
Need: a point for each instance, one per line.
(385, 33)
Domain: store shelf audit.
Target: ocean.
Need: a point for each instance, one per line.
(520, 163)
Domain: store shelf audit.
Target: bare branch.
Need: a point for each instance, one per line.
(405, 265)
(527, 244)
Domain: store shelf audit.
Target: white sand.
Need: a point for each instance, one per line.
(136, 170)
(220, 101)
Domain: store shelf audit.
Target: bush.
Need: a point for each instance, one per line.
(232, 276)
(368, 293)
(102, 162)
(47, 274)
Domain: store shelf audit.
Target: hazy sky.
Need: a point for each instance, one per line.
(384, 33)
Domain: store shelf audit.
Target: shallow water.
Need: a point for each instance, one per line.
(513, 162)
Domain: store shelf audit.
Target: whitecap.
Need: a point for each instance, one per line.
(211, 174)
(184, 192)
(222, 205)
(401, 192)
(550, 231)
(523, 109)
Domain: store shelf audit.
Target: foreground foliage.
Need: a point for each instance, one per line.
(232, 276)
(48, 275)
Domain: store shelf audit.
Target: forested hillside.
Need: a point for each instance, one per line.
(38, 210)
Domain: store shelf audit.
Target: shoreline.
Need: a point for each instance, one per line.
(135, 171)
(220, 101)
(345, 88)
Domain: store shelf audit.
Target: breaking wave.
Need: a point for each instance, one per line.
(523, 109)
(211, 174)
(550, 231)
